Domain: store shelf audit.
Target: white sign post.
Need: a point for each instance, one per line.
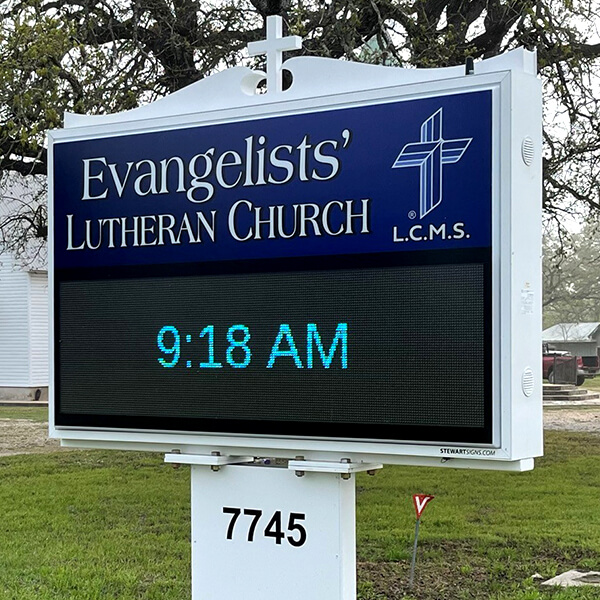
(270, 532)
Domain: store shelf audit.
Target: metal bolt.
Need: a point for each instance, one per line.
(215, 468)
(346, 461)
(299, 473)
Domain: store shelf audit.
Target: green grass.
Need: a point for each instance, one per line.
(93, 525)
(592, 384)
(87, 525)
(485, 534)
(31, 413)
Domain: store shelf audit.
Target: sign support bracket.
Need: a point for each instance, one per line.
(215, 459)
(299, 465)
(345, 467)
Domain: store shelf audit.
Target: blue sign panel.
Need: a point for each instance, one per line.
(301, 275)
(403, 176)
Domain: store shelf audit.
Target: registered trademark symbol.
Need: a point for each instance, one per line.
(412, 214)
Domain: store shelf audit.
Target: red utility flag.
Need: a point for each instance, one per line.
(420, 501)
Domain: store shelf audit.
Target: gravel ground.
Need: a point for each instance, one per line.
(20, 436)
(572, 419)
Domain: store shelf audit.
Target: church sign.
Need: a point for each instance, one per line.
(349, 267)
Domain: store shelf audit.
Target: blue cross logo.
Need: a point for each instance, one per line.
(430, 155)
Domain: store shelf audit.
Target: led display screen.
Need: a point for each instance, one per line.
(372, 347)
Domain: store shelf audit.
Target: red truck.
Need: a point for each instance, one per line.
(561, 361)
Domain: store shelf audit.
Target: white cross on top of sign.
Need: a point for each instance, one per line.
(274, 47)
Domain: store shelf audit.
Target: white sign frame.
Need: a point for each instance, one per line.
(325, 84)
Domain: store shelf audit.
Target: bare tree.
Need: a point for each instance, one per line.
(24, 218)
(571, 276)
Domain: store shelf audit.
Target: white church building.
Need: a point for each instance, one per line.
(23, 309)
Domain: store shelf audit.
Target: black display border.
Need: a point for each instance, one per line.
(295, 429)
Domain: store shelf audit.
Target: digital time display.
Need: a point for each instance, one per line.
(284, 338)
(345, 341)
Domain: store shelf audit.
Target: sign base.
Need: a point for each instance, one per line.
(271, 532)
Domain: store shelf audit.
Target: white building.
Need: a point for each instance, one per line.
(580, 339)
(23, 309)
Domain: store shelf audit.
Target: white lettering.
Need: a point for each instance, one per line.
(304, 219)
(87, 195)
(280, 220)
(164, 175)
(125, 231)
(88, 235)
(280, 163)
(363, 215)
(168, 228)
(197, 180)
(221, 164)
(111, 230)
(231, 221)
(270, 221)
(70, 235)
(411, 233)
(435, 231)
(459, 232)
(324, 159)
(203, 223)
(325, 221)
(148, 229)
(150, 175)
(186, 227)
(120, 185)
(302, 147)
